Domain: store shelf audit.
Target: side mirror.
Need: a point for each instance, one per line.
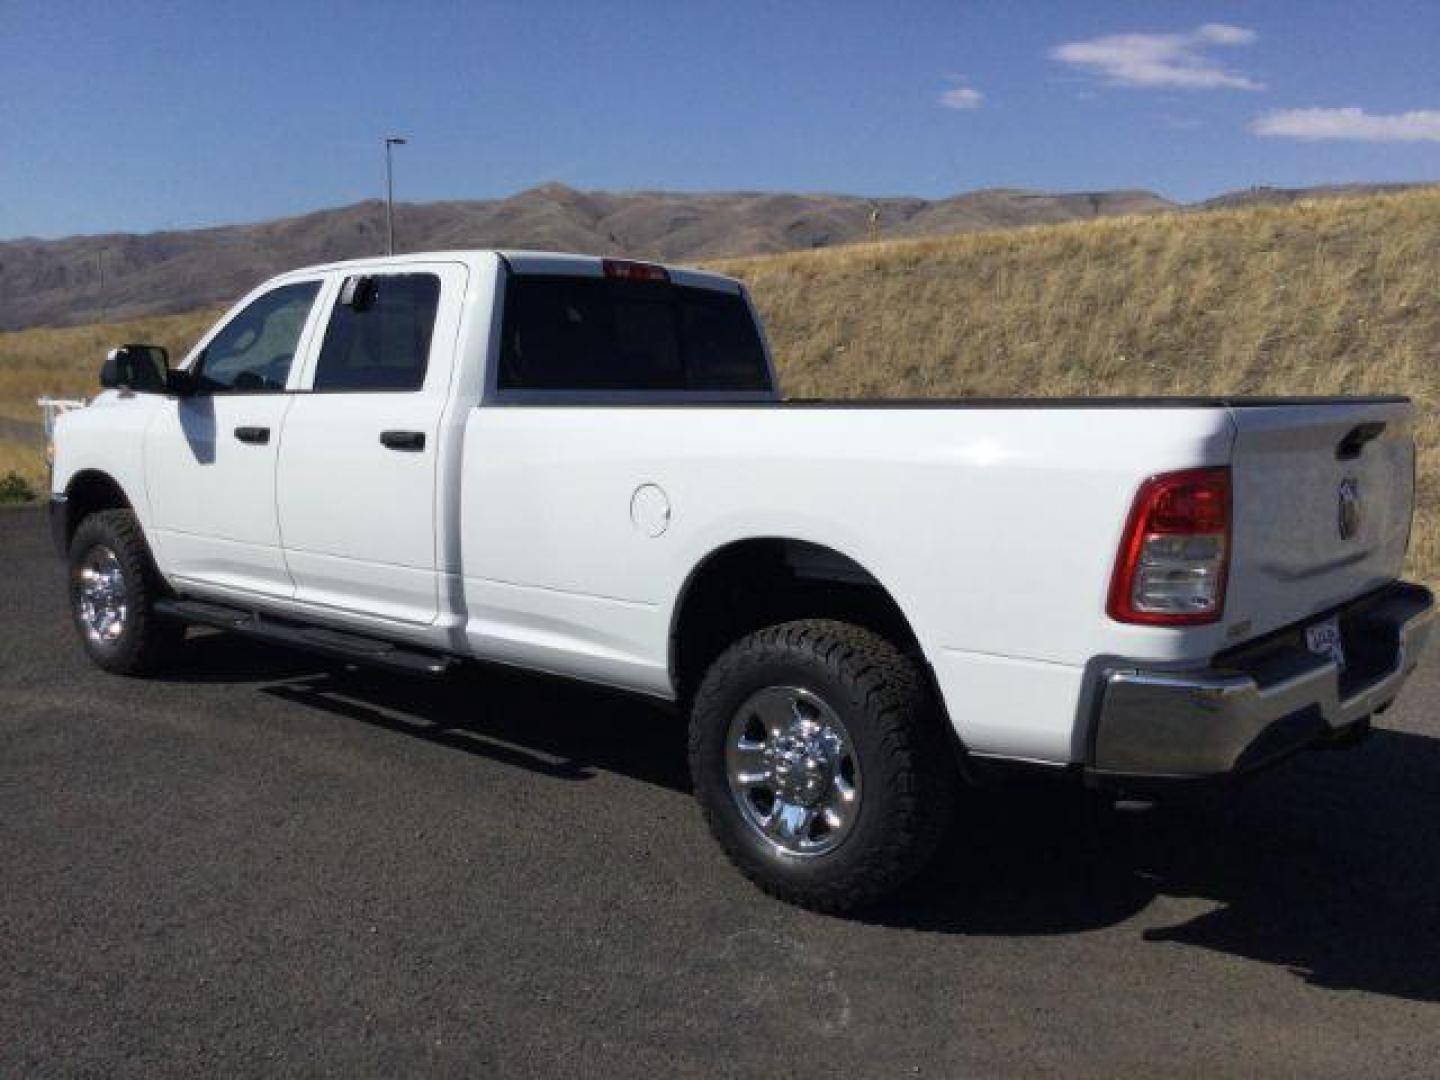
(181, 383)
(144, 369)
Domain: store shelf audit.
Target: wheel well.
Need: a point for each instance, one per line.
(756, 583)
(87, 493)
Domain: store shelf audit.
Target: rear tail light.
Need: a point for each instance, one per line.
(1173, 558)
(626, 270)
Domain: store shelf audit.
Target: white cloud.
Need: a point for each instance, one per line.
(1313, 125)
(962, 97)
(1221, 34)
(1181, 61)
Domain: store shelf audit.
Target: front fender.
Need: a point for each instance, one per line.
(105, 441)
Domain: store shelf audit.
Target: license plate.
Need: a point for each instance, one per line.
(1324, 639)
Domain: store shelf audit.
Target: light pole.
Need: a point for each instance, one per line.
(390, 140)
(100, 274)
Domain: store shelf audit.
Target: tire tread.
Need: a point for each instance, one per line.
(149, 638)
(917, 761)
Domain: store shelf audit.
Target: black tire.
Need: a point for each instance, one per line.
(895, 732)
(140, 639)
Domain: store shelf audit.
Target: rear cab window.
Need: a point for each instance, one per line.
(572, 335)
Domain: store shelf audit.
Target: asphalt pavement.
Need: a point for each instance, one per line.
(260, 864)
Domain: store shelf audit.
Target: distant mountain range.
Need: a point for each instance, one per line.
(85, 279)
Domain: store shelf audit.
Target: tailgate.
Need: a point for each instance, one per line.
(1322, 504)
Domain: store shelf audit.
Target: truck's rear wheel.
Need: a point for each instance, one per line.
(820, 763)
(113, 589)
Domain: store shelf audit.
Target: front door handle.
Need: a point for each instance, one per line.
(257, 435)
(413, 441)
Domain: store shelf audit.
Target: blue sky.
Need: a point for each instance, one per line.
(139, 116)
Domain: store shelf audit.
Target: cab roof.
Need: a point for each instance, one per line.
(528, 262)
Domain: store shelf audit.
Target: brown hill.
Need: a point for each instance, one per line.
(85, 279)
(1264, 195)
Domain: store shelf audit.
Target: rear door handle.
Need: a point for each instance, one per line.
(413, 441)
(258, 435)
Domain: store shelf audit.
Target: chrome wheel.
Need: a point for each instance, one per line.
(793, 770)
(101, 596)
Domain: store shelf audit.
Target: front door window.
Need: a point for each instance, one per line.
(254, 350)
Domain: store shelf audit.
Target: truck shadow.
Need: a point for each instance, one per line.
(1328, 865)
(554, 727)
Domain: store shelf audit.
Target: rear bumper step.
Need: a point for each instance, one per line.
(1259, 705)
(336, 644)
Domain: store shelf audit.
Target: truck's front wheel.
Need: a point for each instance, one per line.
(820, 763)
(113, 589)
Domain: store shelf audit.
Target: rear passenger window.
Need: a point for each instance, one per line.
(380, 340)
(588, 334)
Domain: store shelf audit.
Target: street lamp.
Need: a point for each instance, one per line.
(390, 140)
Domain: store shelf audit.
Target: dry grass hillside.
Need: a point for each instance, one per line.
(1325, 297)
(65, 361)
(1322, 297)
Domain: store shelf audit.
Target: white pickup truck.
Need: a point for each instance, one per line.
(582, 466)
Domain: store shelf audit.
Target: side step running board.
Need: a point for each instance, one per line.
(337, 644)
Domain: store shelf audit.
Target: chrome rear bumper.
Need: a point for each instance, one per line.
(1262, 702)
